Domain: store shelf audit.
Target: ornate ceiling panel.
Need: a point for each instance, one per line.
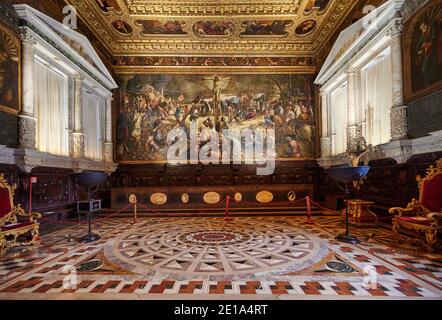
(273, 28)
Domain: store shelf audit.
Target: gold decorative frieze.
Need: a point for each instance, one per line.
(212, 7)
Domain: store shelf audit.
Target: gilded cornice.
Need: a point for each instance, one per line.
(137, 43)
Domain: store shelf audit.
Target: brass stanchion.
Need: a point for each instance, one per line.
(133, 201)
(309, 211)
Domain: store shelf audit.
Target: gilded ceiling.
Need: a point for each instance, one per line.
(272, 28)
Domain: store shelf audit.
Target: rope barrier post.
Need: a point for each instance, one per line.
(133, 201)
(226, 215)
(309, 210)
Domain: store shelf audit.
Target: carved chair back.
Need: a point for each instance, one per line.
(6, 200)
(430, 188)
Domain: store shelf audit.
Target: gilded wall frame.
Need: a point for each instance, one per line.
(409, 39)
(251, 70)
(13, 39)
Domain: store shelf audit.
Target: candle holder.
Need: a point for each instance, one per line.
(89, 180)
(347, 178)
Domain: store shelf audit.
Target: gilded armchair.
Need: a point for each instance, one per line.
(11, 227)
(423, 217)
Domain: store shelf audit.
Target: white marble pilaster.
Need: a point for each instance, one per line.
(26, 118)
(108, 144)
(78, 121)
(351, 104)
(399, 111)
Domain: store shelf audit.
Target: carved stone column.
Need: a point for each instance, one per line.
(26, 118)
(78, 118)
(108, 144)
(399, 111)
(351, 104)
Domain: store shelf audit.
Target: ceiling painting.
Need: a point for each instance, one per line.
(272, 28)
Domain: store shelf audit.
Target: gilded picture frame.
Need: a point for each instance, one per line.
(421, 42)
(11, 38)
(239, 70)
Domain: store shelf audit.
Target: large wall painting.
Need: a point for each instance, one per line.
(423, 51)
(9, 71)
(150, 105)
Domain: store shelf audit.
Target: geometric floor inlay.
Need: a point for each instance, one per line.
(215, 248)
(210, 258)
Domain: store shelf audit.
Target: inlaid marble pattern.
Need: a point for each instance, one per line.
(210, 258)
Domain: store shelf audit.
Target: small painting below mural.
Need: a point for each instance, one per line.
(151, 105)
(213, 28)
(157, 27)
(9, 71)
(305, 27)
(425, 40)
(266, 27)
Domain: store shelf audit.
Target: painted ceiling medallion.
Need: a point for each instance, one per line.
(264, 197)
(122, 27)
(213, 28)
(305, 27)
(266, 27)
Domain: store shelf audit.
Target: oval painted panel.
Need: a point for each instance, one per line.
(264, 196)
(185, 198)
(305, 27)
(158, 198)
(238, 197)
(291, 196)
(211, 197)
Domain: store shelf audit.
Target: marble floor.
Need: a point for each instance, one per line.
(210, 258)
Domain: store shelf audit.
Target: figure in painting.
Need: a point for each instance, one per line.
(122, 26)
(426, 50)
(305, 27)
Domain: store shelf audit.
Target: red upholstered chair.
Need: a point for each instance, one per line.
(423, 216)
(11, 228)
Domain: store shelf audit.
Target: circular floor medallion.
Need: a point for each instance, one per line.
(179, 248)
